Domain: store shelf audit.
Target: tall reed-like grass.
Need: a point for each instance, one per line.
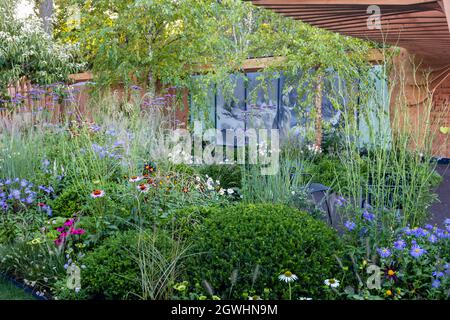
(389, 167)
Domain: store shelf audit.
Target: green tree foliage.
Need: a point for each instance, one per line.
(26, 50)
(168, 40)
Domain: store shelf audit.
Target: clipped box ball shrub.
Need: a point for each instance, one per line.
(245, 248)
(111, 272)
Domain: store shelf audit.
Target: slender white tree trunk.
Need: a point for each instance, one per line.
(46, 13)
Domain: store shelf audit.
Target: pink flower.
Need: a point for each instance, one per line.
(97, 193)
(58, 242)
(63, 235)
(60, 229)
(69, 223)
(77, 231)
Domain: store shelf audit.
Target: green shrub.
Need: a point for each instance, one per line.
(111, 270)
(325, 171)
(70, 201)
(268, 239)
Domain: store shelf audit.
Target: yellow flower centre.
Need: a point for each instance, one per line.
(332, 281)
(288, 274)
(97, 192)
(389, 293)
(391, 272)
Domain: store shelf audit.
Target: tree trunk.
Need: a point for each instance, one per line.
(318, 106)
(46, 13)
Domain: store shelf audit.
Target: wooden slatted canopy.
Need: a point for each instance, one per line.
(420, 26)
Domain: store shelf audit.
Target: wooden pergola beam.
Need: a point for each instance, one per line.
(337, 2)
(421, 26)
(445, 4)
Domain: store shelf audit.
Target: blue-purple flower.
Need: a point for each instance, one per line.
(419, 232)
(350, 225)
(417, 251)
(368, 216)
(432, 238)
(400, 244)
(437, 274)
(340, 201)
(436, 283)
(384, 252)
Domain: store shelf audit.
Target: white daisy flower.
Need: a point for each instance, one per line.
(333, 283)
(287, 277)
(230, 191)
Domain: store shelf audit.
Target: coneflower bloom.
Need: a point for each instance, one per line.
(135, 179)
(287, 277)
(97, 193)
(149, 168)
(143, 187)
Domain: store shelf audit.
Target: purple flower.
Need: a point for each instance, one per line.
(417, 251)
(3, 205)
(384, 252)
(441, 234)
(432, 238)
(135, 87)
(368, 216)
(400, 244)
(350, 225)
(23, 183)
(437, 274)
(447, 221)
(45, 163)
(29, 199)
(15, 194)
(436, 283)
(419, 232)
(340, 201)
(47, 190)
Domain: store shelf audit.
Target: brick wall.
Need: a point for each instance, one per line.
(441, 116)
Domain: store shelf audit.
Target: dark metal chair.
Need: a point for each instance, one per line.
(313, 188)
